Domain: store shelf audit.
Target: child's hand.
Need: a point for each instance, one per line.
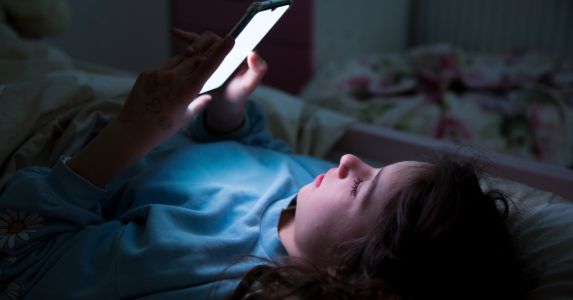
(226, 111)
(159, 104)
(244, 81)
(165, 99)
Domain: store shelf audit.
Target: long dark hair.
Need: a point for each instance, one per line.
(441, 236)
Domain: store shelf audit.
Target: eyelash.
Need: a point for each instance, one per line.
(357, 182)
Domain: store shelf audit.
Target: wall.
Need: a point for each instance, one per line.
(133, 35)
(128, 34)
(344, 28)
(493, 26)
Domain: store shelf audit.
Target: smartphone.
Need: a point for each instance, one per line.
(260, 17)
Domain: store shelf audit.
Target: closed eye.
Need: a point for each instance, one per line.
(354, 190)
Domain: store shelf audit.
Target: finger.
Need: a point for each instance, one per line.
(242, 69)
(189, 51)
(189, 65)
(196, 106)
(183, 35)
(206, 49)
(213, 47)
(256, 71)
(202, 45)
(205, 42)
(171, 63)
(257, 64)
(204, 71)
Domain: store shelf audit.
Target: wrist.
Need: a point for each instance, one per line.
(131, 136)
(224, 118)
(108, 154)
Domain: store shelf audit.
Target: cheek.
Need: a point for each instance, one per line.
(310, 235)
(317, 226)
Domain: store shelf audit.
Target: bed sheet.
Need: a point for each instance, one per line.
(517, 103)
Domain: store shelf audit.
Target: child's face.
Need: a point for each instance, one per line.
(345, 202)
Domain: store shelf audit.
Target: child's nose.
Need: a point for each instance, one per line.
(347, 163)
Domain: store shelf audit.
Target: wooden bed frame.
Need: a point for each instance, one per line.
(385, 146)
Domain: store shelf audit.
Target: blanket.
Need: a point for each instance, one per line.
(519, 103)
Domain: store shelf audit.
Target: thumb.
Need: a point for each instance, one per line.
(196, 106)
(257, 68)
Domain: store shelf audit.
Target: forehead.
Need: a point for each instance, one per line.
(403, 169)
(394, 177)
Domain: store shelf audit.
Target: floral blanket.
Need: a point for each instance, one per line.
(519, 103)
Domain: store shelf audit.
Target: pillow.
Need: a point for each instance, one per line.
(35, 18)
(544, 231)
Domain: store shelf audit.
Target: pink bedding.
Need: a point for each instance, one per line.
(516, 103)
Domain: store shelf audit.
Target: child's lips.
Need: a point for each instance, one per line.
(318, 180)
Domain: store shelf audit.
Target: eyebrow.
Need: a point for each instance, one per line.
(373, 184)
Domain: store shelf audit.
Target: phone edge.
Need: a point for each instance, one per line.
(255, 8)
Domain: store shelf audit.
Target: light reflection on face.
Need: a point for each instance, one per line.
(344, 203)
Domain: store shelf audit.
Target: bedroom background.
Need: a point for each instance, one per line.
(494, 75)
(54, 103)
(107, 31)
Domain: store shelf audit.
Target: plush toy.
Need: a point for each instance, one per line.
(35, 18)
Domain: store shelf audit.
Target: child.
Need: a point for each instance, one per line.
(147, 211)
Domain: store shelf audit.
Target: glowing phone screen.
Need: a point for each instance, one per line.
(247, 40)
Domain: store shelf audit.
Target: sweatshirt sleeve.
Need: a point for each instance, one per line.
(39, 204)
(253, 132)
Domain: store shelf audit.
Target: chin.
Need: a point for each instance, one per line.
(304, 190)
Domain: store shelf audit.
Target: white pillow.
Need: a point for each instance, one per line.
(542, 222)
(545, 235)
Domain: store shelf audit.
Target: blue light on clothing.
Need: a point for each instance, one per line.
(174, 226)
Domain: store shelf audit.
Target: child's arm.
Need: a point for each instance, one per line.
(160, 103)
(229, 116)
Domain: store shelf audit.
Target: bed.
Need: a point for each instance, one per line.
(454, 81)
(490, 77)
(460, 85)
(53, 105)
(498, 105)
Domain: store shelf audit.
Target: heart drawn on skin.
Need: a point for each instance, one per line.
(153, 106)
